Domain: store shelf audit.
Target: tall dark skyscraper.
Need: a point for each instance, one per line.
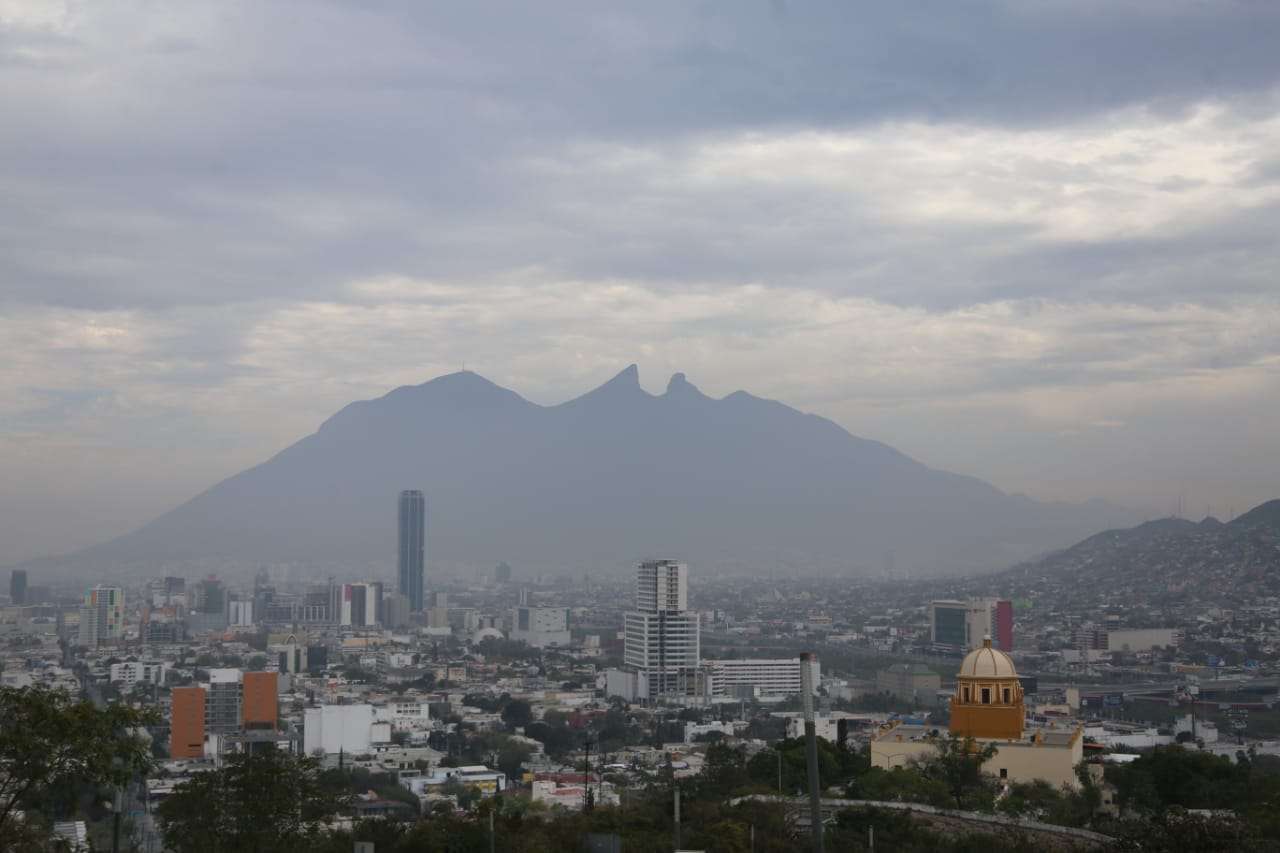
(18, 586)
(413, 543)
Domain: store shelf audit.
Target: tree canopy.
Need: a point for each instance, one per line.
(51, 743)
(266, 802)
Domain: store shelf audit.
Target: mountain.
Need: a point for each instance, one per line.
(1163, 564)
(738, 483)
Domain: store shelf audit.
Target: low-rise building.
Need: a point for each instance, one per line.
(910, 682)
(135, 672)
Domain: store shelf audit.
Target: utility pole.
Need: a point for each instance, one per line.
(811, 738)
(588, 802)
(676, 792)
(117, 804)
(491, 845)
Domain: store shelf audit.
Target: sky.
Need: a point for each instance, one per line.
(1033, 241)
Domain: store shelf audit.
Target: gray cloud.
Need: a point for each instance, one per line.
(1052, 222)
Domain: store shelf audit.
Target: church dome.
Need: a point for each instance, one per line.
(987, 662)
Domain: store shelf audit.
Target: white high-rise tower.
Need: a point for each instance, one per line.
(662, 641)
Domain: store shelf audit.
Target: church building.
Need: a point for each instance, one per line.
(988, 707)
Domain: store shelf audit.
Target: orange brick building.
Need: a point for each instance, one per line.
(261, 706)
(186, 723)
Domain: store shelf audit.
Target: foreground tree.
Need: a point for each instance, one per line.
(52, 744)
(958, 766)
(269, 801)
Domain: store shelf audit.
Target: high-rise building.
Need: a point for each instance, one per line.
(261, 706)
(102, 616)
(186, 723)
(395, 611)
(947, 624)
(661, 637)
(502, 573)
(362, 604)
(167, 591)
(413, 544)
(963, 625)
(211, 596)
(241, 612)
(662, 585)
(1004, 625)
(18, 586)
(224, 700)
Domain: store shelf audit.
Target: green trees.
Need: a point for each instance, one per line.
(268, 802)
(517, 714)
(958, 766)
(51, 745)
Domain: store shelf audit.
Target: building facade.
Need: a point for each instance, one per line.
(18, 586)
(661, 639)
(748, 677)
(1143, 639)
(958, 626)
(910, 682)
(261, 701)
(662, 586)
(102, 616)
(541, 626)
(186, 722)
(223, 701)
(362, 604)
(331, 729)
(412, 537)
(138, 672)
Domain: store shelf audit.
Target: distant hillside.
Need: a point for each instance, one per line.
(738, 483)
(1166, 560)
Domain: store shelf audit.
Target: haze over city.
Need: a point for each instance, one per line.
(671, 427)
(1030, 243)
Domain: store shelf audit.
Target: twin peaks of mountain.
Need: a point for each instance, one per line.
(737, 484)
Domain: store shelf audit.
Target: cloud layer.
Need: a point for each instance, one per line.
(1031, 242)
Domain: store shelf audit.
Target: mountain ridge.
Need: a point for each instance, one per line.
(606, 477)
(1165, 563)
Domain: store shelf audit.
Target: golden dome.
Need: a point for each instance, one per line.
(987, 662)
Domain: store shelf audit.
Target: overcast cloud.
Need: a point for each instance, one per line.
(1030, 241)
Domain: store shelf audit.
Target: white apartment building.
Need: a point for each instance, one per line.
(405, 714)
(241, 613)
(662, 585)
(662, 636)
(540, 626)
(338, 728)
(135, 672)
(758, 676)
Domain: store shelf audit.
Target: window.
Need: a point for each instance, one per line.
(986, 696)
(1004, 772)
(1006, 696)
(966, 694)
